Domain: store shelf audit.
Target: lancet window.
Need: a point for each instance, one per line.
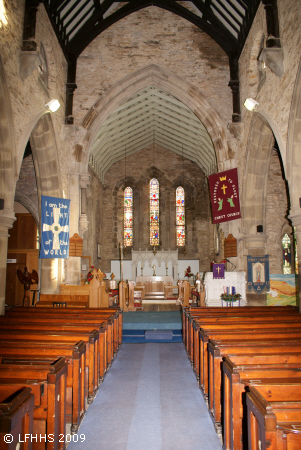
(128, 217)
(287, 255)
(180, 216)
(154, 211)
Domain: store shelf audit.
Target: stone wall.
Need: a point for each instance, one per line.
(153, 36)
(28, 96)
(26, 189)
(167, 167)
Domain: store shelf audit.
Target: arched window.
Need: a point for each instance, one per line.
(128, 217)
(154, 211)
(287, 254)
(180, 214)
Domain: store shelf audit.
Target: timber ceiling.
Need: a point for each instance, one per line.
(78, 22)
(152, 117)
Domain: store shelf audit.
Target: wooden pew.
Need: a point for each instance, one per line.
(47, 380)
(235, 379)
(72, 301)
(113, 316)
(204, 336)
(55, 317)
(216, 351)
(91, 340)
(245, 323)
(194, 322)
(75, 356)
(16, 415)
(274, 415)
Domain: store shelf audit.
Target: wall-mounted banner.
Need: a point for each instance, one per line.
(258, 274)
(55, 214)
(218, 271)
(224, 193)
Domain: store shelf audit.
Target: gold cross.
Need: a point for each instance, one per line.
(218, 269)
(224, 188)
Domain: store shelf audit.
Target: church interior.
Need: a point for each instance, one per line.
(115, 118)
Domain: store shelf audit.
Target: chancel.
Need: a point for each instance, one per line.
(149, 210)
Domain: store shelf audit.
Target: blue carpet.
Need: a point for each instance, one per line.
(149, 400)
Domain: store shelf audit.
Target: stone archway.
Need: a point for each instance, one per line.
(7, 178)
(156, 76)
(45, 156)
(254, 197)
(294, 166)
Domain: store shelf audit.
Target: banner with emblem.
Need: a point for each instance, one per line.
(55, 213)
(258, 274)
(218, 271)
(224, 194)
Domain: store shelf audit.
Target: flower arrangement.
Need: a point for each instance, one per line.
(90, 276)
(188, 272)
(230, 297)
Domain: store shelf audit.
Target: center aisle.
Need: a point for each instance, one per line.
(149, 400)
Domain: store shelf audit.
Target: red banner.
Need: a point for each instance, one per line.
(224, 193)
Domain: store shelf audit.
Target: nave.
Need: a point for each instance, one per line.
(149, 400)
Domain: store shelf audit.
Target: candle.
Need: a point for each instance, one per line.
(225, 289)
(233, 290)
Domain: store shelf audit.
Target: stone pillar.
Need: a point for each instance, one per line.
(255, 245)
(6, 222)
(84, 181)
(73, 267)
(296, 221)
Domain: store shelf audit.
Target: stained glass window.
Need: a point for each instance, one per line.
(296, 253)
(128, 217)
(287, 257)
(154, 211)
(180, 212)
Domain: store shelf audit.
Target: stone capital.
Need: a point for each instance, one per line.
(29, 61)
(273, 58)
(7, 219)
(255, 241)
(84, 180)
(296, 221)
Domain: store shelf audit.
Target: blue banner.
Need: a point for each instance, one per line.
(55, 214)
(258, 274)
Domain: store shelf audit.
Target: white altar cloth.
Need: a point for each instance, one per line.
(214, 288)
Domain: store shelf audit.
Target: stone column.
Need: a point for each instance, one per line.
(296, 221)
(73, 267)
(255, 245)
(84, 181)
(6, 222)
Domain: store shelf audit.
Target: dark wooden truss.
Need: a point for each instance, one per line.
(78, 22)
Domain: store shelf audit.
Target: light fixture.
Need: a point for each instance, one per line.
(250, 104)
(53, 105)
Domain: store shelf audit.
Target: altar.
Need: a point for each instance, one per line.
(215, 287)
(156, 287)
(161, 263)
